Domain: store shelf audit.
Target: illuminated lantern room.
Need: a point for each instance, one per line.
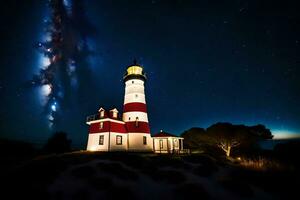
(134, 71)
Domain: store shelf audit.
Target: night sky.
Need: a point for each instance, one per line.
(222, 61)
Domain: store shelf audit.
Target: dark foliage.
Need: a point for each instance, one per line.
(198, 159)
(260, 131)
(14, 153)
(32, 178)
(288, 152)
(221, 135)
(58, 143)
(192, 138)
(16, 148)
(282, 184)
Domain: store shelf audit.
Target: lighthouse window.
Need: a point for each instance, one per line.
(144, 140)
(101, 139)
(101, 125)
(136, 96)
(137, 121)
(132, 82)
(118, 139)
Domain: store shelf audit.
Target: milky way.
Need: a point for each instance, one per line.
(63, 49)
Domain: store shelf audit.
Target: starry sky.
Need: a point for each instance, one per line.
(218, 61)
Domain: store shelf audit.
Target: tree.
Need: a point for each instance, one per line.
(222, 135)
(192, 137)
(261, 131)
(227, 136)
(58, 143)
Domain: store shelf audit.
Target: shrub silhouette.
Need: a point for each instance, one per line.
(58, 143)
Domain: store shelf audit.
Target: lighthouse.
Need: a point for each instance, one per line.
(110, 131)
(135, 110)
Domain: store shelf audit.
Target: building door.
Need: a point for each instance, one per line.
(179, 144)
(161, 145)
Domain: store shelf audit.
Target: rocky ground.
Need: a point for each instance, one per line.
(94, 175)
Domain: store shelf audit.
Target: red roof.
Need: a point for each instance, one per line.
(164, 134)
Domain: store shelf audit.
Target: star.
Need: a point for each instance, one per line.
(241, 9)
(278, 117)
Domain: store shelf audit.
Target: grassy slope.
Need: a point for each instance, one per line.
(87, 175)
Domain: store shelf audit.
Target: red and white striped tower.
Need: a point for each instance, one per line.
(135, 110)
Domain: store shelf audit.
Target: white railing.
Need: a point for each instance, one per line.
(92, 117)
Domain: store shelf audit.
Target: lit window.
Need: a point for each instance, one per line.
(118, 139)
(101, 139)
(144, 140)
(134, 70)
(161, 144)
(102, 113)
(115, 114)
(101, 125)
(137, 121)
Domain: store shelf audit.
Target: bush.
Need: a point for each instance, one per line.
(58, 143)
(261, 163)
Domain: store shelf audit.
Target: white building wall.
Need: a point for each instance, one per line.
(134, 97)
(136, 142)
(169, 144)
(134, 88)
(113, 143)
(131, 116)
(93, 142)
(134, 82)
(134, 91)
(164, 148)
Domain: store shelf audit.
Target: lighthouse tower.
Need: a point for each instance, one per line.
(135, 110)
